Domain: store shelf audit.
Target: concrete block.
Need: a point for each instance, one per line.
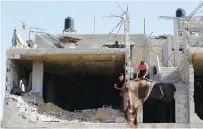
(180, 115)
(183, 101)
(191, 74)
(181, 91)
(182, 96)
(183, 120)
(193, 125)
(191, 93)
(177, 120)
(200, 125)
(191, 82)
(183, 110)
(170, 125)
(191, 70)
(180, 125)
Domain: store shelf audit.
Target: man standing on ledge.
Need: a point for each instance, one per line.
(118, 85)
(143, 70)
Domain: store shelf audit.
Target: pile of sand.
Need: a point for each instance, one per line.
(49, 107)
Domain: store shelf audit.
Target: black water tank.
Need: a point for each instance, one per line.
(180, 13)
(69, 23)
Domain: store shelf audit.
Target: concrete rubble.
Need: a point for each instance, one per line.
(30, 107)
(33, 46)
(20, 46)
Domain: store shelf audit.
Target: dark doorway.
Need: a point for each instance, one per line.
(160, 105)
(158, 111)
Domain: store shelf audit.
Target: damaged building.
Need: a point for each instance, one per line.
(64, 78)
(67, 78)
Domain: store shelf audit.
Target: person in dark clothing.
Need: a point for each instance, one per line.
(143, 70)
(118, 85)
(116, 44)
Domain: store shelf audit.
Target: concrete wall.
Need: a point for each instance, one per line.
(187, 75)
(14, 73)
(181, 103)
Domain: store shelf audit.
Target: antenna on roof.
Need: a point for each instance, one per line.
(94, 24)
(122, 19)
(24, 25)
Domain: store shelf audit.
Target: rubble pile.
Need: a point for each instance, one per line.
(30, 106)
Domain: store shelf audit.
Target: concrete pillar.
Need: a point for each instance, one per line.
(176, 42)
(167, 51)
(128, 50)
(37, 76)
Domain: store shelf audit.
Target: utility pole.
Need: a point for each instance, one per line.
(144, 26)
(145, 44)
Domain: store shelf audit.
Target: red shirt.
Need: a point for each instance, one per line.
(142, 67)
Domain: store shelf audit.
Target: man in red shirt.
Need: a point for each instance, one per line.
(143, 70)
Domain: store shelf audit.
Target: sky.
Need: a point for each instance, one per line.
(50, 15)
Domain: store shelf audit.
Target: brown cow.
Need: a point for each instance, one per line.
(135, 93)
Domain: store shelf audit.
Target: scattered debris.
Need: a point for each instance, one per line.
(30, 106)
(20, 46)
